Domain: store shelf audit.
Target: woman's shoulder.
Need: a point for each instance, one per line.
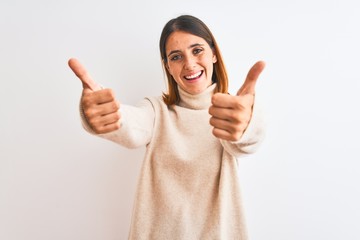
(156, 101)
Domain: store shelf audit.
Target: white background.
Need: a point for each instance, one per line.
(59, 182)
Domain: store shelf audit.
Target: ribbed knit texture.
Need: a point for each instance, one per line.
(189, 182)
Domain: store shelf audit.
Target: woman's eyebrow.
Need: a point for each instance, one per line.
(195, 45)
(191, 46)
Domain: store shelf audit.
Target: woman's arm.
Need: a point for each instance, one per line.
(136, 125)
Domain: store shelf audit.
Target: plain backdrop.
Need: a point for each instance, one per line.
(59, 182)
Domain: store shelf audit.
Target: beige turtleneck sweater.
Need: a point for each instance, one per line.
(189, 182)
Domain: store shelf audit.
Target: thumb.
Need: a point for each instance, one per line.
(83, 75)
(249, 85)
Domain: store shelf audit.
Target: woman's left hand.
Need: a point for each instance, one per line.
(230, 115)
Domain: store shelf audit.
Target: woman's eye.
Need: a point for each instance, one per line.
(197, 50)
(175, 57)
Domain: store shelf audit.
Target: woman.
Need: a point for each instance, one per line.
(188, 186)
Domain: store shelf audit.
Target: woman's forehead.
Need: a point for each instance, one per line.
(182, 40)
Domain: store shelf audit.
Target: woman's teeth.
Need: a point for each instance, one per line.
(196, 75)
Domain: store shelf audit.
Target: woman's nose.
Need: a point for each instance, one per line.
(189, 63)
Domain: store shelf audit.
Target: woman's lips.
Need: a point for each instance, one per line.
(194, 76)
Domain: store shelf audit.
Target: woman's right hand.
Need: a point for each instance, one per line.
(100, 107)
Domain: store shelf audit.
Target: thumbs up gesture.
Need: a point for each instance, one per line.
(230, 115)
(100, 106)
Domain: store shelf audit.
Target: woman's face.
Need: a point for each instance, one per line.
(190, 61)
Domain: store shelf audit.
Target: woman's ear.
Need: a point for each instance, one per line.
(214, 58)
(166, 65)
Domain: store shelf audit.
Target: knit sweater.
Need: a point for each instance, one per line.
(189, 182)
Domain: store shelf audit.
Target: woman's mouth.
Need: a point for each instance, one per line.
(194, 76)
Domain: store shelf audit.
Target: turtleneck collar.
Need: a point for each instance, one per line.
(198, 101)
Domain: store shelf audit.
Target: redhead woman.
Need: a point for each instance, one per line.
(194, 135)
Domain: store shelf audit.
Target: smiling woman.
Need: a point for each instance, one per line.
(190, 61)
(189, 184)
(191, 27)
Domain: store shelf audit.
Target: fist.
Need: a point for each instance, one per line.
(101, 110)
(230, 115)
(100, 107)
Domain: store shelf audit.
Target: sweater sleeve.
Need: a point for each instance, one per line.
(136, 125)
(252, 137)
